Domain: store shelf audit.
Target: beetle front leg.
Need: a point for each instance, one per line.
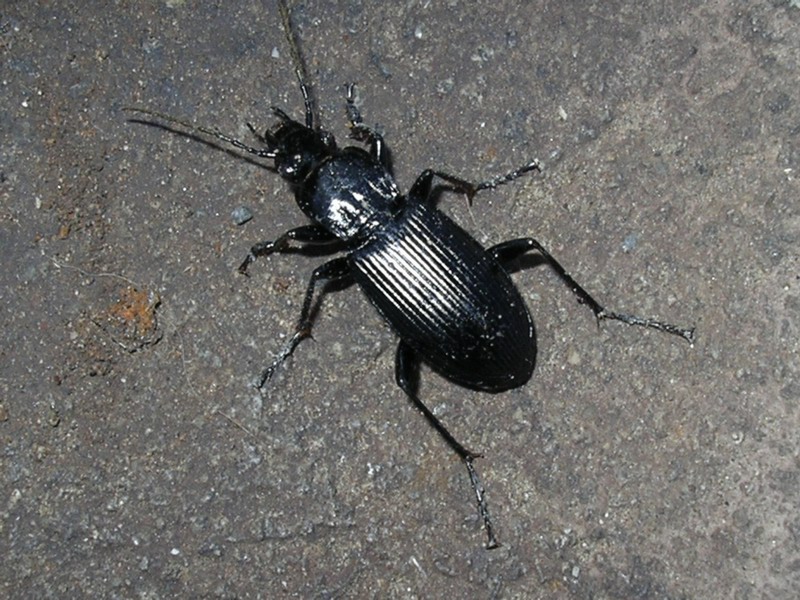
(407, 376)
(338, 268)
(313, 235)
(505, 252)
(422, 186)
(364, 133)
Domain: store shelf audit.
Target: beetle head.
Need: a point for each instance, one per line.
(298, 149)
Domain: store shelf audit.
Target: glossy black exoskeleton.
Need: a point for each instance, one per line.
(450, 301)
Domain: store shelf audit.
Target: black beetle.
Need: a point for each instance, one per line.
(450, 301)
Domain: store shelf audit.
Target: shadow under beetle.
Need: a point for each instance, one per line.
(450, 301)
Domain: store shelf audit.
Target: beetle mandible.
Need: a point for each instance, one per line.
(451, 302)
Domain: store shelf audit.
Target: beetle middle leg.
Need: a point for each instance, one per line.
(336, 269)
(407, 374)
(508, 251)
(309, 235)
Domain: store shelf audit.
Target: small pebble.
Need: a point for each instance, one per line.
(241, 215)
(629, 243)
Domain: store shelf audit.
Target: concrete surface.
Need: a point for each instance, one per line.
(137, 460)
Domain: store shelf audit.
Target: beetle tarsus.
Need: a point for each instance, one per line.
(302, 332)
(534, 165)
(687, 334)
(483, 507)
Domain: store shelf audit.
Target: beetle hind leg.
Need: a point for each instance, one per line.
(407, 374)
(505, 252)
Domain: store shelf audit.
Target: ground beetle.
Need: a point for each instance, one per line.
(450, 301)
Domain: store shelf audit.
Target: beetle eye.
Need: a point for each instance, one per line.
(290, 166)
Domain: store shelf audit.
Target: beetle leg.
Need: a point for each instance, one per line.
(508, 251)
(338, 268)
(492, 183)
(364, 133)
(422, 186)
(307, 234)
(407, 375)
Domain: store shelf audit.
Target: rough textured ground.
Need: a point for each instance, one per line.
(137, 460)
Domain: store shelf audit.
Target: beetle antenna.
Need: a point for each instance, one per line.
(299, 64)
(214, 133)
